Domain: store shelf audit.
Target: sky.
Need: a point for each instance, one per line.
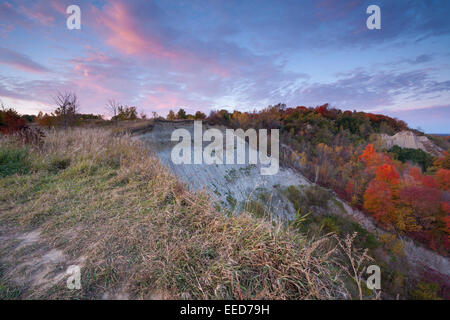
(226, 54)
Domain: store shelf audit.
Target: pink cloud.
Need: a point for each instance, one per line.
(59, 6)
(20, 61)
(163, 101)
(117, 23)
(125, 36)
(38, 14)
(334, 9)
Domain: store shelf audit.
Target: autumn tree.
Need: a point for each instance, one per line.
(181, 114)
(46, 120)
(388, 173)
(443, 162)
(423, 200)
(171, 116)
(127, 113)
(378, 199)
(199, 115)
(113, 108)
(372, 158)
(10, 120)
(443, 179)
(67, 109)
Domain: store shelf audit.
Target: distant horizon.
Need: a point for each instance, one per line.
(105, 115)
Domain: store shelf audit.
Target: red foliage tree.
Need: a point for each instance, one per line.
(388, 173)
(378, 199)
(423, 200)
(443, 179)
(411, 202)
(368, 154)
(10, 121)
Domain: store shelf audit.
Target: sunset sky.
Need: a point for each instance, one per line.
(245, 55)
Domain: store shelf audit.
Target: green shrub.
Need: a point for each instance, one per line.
(13, 160)
(415, 155)
(84, 167)
(317, 196)
(426, 291)
(58, 163)
(329, 225)
(295, 197)
(343, 227)
(371, 241)
(307, 197)
(302, 221)
(232, 201)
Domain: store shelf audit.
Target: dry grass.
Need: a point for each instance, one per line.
(137, 232)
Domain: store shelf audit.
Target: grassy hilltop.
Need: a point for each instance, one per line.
(90, 198)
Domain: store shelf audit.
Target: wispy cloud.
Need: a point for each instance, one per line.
(368, 90)
(20, 61)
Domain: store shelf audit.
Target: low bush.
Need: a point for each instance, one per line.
(13, 160)
(426, 291)
(58, 163)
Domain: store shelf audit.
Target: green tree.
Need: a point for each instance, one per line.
(199, 115)
(127, 113)
(171, 115)
(181, 114)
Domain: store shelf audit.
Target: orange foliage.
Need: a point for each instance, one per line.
(372, 158)
(378, 198)
(402, 197)
(443, 179)
(443, 162)
(368, 154)
(388, 174)
(46, 120)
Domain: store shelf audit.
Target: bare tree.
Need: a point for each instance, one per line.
(113, 107)
(67, 103)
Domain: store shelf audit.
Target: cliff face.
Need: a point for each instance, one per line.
(407, 139)
(231, 184)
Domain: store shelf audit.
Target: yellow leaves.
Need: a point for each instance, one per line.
(398, 248)
(391, 242)
(324, 148)
(300, 157)
(404, 220)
